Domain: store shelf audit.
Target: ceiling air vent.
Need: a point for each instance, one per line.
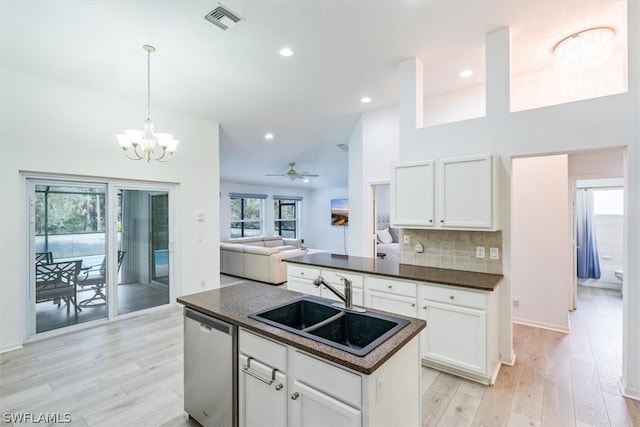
(222, 17)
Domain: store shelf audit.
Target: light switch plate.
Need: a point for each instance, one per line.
(479, 251)
(494, 253)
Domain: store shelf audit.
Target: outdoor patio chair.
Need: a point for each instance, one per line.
(96, 278)
(44, 257)
(57, 281)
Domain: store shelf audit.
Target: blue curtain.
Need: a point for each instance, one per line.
(588, 262)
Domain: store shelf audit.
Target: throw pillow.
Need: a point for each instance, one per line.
(384, 236)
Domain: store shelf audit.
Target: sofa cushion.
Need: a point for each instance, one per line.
(259, 250)
(285, 248)
(231, 247)
(256, 243)
(271, 243)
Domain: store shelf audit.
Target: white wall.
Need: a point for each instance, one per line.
(542, 269)
(55, 128)
(375, 143)
(320, 233)
(270, 191)
(455, 106)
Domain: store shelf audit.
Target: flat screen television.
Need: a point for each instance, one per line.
(340, 212)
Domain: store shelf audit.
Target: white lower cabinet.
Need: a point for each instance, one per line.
(462, 333)
(263, 395)
(262, 381)
(459, 337)
(456, 336)
(394, 296)
(282, 386)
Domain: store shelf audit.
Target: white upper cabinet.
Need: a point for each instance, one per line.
(461, 196)
(465, 196)
(412, 195)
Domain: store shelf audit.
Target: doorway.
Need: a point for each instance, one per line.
(98, 250)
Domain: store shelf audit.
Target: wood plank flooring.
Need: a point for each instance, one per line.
(130, 373)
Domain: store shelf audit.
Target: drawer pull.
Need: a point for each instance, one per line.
(247, 370)
(279, 386)
(452, 297)
(413, 304)
(389, 286)
(295, 395)
(424, 307)
(302, 273)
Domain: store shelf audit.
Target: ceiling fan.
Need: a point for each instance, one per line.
(293, 174)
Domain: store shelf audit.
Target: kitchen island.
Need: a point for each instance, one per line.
(293, 380)
(462, 308)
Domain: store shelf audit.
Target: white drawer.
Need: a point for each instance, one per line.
(391, 286)
(330, 379)
(455, 296)
(333, 277)
(266, 351)
(306, 272)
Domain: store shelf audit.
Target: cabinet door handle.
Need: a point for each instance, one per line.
(424, 307)
(430, 220)
(295, 395)
(442, 221)
(279, 386)
(413, 304)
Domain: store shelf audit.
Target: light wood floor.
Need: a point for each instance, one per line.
(130, 373)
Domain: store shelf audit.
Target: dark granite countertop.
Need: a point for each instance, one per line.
(383, 267)
(234, 303)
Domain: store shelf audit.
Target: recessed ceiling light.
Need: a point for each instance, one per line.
(365, 100)
(466, 73)
(285, 51)
(268, 135)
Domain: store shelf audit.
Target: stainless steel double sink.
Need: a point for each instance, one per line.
(317, 319)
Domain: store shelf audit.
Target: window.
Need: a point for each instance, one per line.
(286, 215)
(246, 214)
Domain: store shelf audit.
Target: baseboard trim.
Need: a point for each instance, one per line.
(10, 347)
(542, 325)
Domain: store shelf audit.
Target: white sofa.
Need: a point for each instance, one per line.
(258, 258)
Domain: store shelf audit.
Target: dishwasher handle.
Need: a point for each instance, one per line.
(209, 322)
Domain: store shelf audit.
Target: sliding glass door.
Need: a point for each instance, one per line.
(68, 249)
(144, 240)
(97, 250)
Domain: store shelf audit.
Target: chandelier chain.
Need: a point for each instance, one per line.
(149, 84)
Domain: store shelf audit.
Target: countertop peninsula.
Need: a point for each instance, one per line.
(234, 303)
(383, 267)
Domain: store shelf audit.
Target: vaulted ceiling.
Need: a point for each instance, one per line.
(310, 101)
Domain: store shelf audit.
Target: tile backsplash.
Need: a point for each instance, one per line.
(452, 249)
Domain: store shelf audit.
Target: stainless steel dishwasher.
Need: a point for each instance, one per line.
(210, 370)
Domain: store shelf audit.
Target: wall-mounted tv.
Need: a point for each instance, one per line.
(340, 212)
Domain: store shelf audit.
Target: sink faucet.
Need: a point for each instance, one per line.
(348, 291)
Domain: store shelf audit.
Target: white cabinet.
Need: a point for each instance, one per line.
(394, 296)
(262, 394)
(466, 192)
(462, 195)
(458, 337)
(282, 386)
(412, 195)
(322, 394)
(262, 382)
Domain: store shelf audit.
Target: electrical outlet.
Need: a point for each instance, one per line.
(406, 239)
(516, 302)
(494, 253)
(479, 251)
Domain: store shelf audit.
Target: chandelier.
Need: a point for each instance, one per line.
(144, 144)
(583, 50)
